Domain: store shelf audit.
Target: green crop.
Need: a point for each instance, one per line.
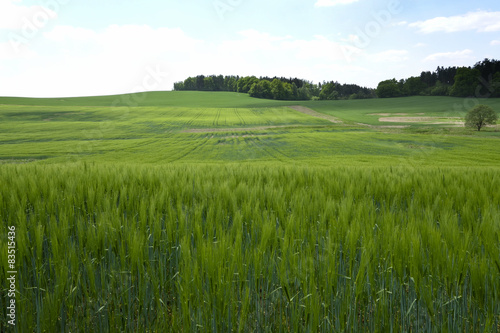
(250, 248)
(206, 212)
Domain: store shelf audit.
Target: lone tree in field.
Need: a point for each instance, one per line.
(480, 116)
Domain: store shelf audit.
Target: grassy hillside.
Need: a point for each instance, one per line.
(159, 98)
(187, 127)
(368, 111)
(211, 212)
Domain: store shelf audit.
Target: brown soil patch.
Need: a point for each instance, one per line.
(316, 114)
(394, 114)
(404, 119)
(420, 120)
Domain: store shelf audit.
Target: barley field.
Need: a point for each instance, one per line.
(189, 219)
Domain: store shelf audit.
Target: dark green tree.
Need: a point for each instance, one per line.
(258, 91)
(388, 88)
(488, 67)
(230, 83)
(277, 89)
(328, 92)
(304, 93)
(295, 91)
(208, 84)
(466, 82)
(440, 89)
(495, 85)
(446, 75)
(265, 86)
(218, 82)
(315, 89)
(178, 86)
(200, 82)
(428, 78)
(413, 86)
(288, 93)
(244, 84)
(190, 83)
(480, 116)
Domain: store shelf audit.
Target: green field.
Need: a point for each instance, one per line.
(217, 212)
(180, 129)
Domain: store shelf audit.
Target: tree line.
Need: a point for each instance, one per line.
(481, 80)
(279, 88)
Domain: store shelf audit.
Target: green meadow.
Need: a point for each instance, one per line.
(176, 127)
(217, 212)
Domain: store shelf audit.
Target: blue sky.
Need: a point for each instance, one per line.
(56, 48)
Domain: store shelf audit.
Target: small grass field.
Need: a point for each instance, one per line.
(217, 212)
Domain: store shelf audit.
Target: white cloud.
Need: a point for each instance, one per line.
(344, 73)
(261, 36)
(122, 43)
(457, 57)
(73, 61)
(495, 42)
(266, 51)
(390, 56)
(318, 48)
(62, 33)
(331, 3)
(252, 40)
(8, 52)
(79, 61)
(17, 17)
(480, 21)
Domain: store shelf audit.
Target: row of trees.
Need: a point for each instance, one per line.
(481, 80)
(279, 88)
(208, 83)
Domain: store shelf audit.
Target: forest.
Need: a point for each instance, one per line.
(480, 80)
(278, 88)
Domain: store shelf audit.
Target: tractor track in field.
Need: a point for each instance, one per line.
(240, 117)
(298, 108)
(311, 112)
(190, 150)
(236, 129)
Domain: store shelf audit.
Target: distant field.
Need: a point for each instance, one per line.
(205, 212)
(368, 111)
(187, 127)
(156, 99)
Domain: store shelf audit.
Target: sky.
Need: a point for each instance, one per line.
(62, 48)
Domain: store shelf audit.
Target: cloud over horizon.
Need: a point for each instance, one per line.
(118, 51)
(91, 48)
(457, 57)
(479, 21)
(15, 17)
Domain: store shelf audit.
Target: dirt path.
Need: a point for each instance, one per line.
(236, 129)
(316, 114)
(428, 120)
